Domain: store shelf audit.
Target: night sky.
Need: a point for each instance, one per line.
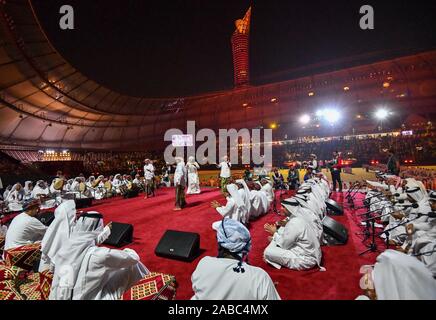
(178, 48)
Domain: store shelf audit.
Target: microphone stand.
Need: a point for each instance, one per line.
(349, 191)
(370, 204)
(424, 253)
(372, 246)
(393, 228)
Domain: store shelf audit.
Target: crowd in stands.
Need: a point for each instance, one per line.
(420, 149)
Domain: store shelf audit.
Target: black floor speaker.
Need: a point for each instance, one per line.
(121, 235)
(133, 193)
(335, 233)
(83, 203)
(333, 208)
(179, 245)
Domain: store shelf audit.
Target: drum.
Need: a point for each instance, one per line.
(58, 184)
(96, 183)
(82, 187)
(108, 185)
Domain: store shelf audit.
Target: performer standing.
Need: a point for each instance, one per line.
(193, 181)
(225, 173)
(335, 169)
(149, 178)
(180, 177)
(293, 178)
(314, 162)
(393, 165)
(166, 170)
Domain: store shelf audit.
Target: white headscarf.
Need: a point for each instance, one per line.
(88, 224)
(38, 190)
(70, 257)
(19, 195)
(247, 194)
(398, 276)
(68, 263)
(415, 191)
(236, 196)
(59, 230)
(26, 186)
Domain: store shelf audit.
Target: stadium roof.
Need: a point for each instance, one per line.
(46, 102)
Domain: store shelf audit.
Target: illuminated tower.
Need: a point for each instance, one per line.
(240, 48)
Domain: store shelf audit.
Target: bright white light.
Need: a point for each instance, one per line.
(382, 114)
(304, 119)
(331, 115)
(319, 113)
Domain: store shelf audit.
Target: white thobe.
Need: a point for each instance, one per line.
(225, 169)
(296, 247)
(180, 175)
(57, 234)
(15, 200)
(105, 274)
(232, 211)
(269, 191)
(24, 230)
(148, 171)
(214, 279)
(259, 203)
(193, 180)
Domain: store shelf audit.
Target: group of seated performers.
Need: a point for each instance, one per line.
(405, 211)
(295, 242)
(83, 269)
(70, 249)
(61, 189)
(245, 200)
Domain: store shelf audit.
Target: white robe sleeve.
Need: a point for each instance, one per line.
(290, 235)
(270, 292)
(228, 209)
(118, 259)
(37, 228)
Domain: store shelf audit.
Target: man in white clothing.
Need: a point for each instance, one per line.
(397, 276)
(225, 173)
(180, 181)
(57, 234)
(296, 247)
(25, 228)
(235, 207)
(149, 178)
(228, 277)
(84, 271)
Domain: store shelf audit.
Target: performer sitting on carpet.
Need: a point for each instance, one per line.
(228, 277)
(235, 207)
(25, 228)
(15, 198)
(295, 245)
(84, 271)
(397, 276)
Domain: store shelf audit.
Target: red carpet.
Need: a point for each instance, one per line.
(151, 217)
